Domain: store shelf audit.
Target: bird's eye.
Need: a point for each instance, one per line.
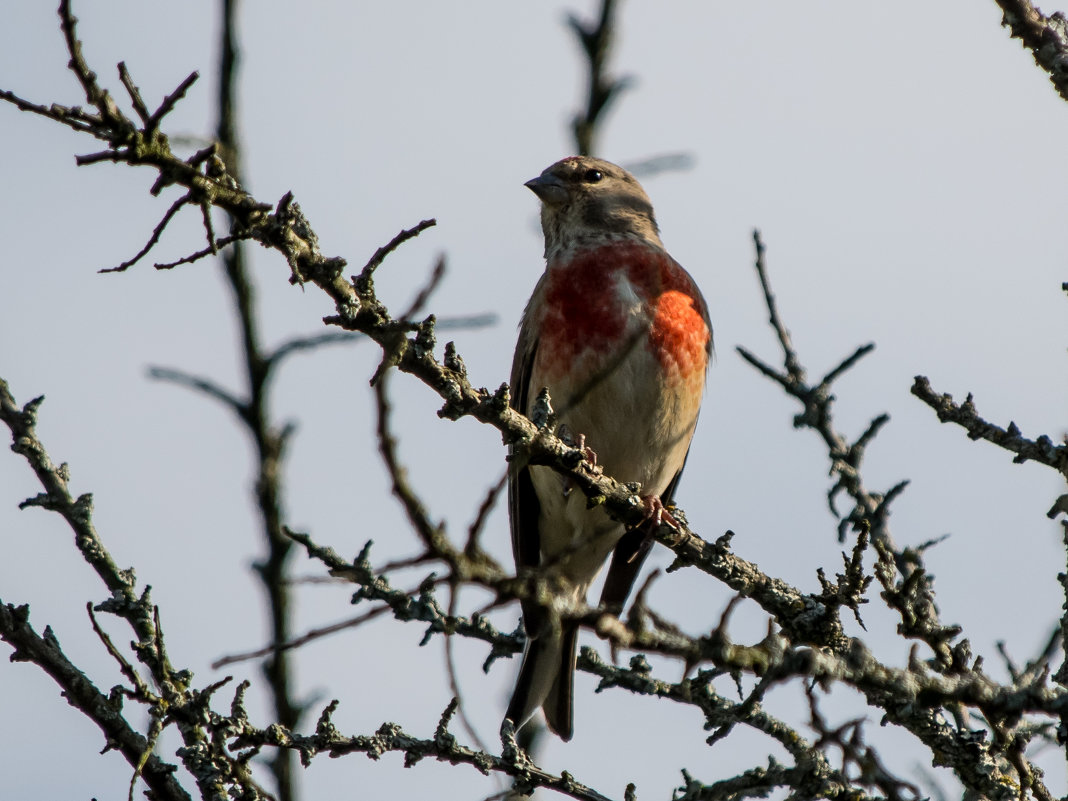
(592, 176)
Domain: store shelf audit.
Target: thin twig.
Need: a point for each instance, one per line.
(379, 255)
(601, 90)
(135, 93)
(430, 533)
(78, 65)
(310, 636)
(420, 300)
(208, 251)
(124, 665)
(208, 387)
(474, 531)
(454, 681)
(170, 101)
(157, 232)
(793, 366)
(209, 228)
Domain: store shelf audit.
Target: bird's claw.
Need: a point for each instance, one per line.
(578, 441)
(655, 514)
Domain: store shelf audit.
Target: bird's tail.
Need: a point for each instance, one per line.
(547, 679)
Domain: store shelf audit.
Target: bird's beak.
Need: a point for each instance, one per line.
(548, 188)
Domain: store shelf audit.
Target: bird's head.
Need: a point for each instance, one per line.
(585, 200)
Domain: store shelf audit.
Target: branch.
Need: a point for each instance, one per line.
(596, 42)
(432, 534)
(152, 240)
(380, 255)
(392, 738)
(1045, 36)
(912, 595)
(310, 636)
(410, 347)
(1041, 450)
(187, 708)
(219, 244)
(793, 367)
(78, 513)
(45, 652)
(268, 439)
(204, 385)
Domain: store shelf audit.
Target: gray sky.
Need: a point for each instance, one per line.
(903, 161)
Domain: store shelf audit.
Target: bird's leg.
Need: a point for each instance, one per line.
(655, 514)
(563, 431)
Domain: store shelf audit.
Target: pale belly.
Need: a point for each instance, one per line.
(638, 419)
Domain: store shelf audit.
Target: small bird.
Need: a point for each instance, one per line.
(619, 334)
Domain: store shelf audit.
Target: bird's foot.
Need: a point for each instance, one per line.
(655, 514)
(577, 441)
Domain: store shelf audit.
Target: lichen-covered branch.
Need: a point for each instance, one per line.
(952, 675)
(1041, 450)
(174, 698)
(1045, 36)
(105, 711)
(392, 738)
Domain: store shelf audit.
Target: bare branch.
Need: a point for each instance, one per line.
(208, 251)
(794, 371)
(74, 118)
(309, 636)
(135, 93)
(808, 641)
(142, 691)
(310, 342)
(596, 42)
(846, 364)
(380, 255)
(44, 651)
(391, 738)
(431, 534)
(157, 232)
(655, 165)
(208, 387)
(188, 709)
(420, 300)
(1045, 36)
(93, 93)
(1041, 450)
(170, 101)
(474, 531)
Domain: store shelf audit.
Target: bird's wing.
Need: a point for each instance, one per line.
(628, 557)
(523, 506)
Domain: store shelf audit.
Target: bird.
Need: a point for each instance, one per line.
(619, 335)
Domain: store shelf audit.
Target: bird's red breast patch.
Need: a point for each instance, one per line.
(591, 295)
